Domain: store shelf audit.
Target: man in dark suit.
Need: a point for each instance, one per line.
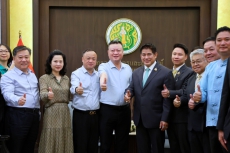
(223, 124)
(198, 136)
(151, 110)
(178, 128)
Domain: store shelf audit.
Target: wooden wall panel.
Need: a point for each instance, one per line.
(76, 29)
(5, 32)
(72, 26)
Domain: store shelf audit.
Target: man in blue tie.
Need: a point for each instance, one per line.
(151, 110)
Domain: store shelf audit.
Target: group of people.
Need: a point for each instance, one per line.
(188, 103)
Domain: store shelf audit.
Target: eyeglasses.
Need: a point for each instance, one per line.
(196, 62)
(3, 51)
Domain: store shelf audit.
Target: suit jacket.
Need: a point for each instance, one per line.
(149, 105)
(196, 116)
(224, 113)
(180, 114)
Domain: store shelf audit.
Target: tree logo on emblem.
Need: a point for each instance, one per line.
(127, 31)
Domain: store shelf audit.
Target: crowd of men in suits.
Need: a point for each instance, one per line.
(198, 120)
(191, 104)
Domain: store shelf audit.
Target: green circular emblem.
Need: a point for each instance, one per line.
(127, 31)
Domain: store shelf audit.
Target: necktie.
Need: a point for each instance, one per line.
(197, 80)
(146, 75)
(174, 72)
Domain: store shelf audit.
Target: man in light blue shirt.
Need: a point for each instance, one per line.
(115, 114)
(20, 90)
(85, 88)
(211, 87)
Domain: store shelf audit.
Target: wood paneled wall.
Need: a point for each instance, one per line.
(73, 26)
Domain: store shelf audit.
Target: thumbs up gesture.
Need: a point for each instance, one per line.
(191, 103)
(177, 101)
(127, 96)
(79, 89)
(197, 95)
(22, 100)
(50, 94)
(165, 92)
(103, 85)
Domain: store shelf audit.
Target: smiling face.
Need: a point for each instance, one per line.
(57, 63)
(223, 44)
(210, 52)
(22, 60)
(4, 53)
(115, 52)
(178, 57)
(198, 63)
(148, 57)
(89, 60)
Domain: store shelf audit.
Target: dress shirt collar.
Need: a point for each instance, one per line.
(113, 66)
(20, 72)
(53, 76)
(151, 67)
(224, 62)
(85, 71)
(178, 68)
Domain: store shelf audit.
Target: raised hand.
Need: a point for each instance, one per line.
(50, 94)
(79, 89)
(197, 95)
(165, 92)
(104, 85)
(22, 100)
(191, 103)
(176, 101)
(127, 96)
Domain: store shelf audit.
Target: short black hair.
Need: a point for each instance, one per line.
(221, 29)
(209, 39)
(87, 50)
(182, 46)
(115, 41)
(11, 56)
(149, 46)
(20, 48)
(48, 68)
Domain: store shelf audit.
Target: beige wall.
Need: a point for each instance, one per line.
(21, 19)
(223, 16)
